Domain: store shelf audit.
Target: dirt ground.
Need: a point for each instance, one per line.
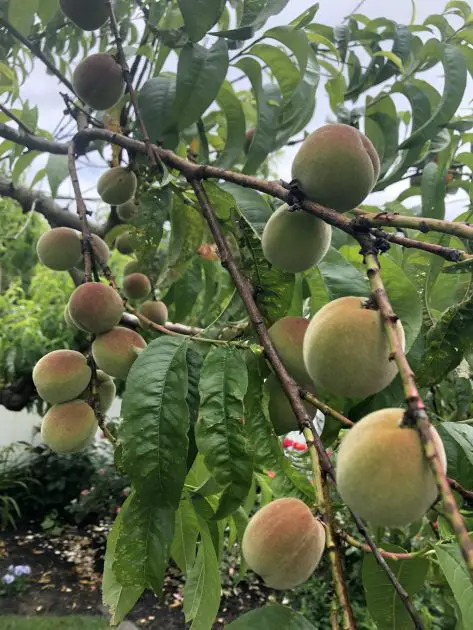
(66, 574)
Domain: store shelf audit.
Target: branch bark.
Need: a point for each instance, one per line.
(52, 212)
(416, 415)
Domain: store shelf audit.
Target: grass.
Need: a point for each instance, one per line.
(53, 623)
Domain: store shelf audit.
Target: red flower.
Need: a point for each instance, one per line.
(287, 443)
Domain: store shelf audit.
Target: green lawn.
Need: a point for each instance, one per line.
(53, 623)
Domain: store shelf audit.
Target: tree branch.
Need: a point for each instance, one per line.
(19, 136)
(449, 253)
(52, 212)
(129, 83)
(416, 415)
(37, 52)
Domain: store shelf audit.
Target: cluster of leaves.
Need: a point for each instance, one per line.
(195, 439)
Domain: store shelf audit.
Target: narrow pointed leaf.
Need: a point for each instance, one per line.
(456, 573)
(219, 431)
(271, 617)
(200, 15)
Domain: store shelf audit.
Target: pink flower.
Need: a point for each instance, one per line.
(271, 474)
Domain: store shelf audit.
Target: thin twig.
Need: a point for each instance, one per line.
(19, 122)
(37, 52)
(325, 409)
(466, 494)
(390, 555)
(324, 508)
(129, 83)
(449, 253)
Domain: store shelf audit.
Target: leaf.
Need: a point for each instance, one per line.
(251, 204)
(397, 61)
(274, 288)
(266, 446)
(119, 599)
(230, 104)
(268, 106)
(456, 573)
(446, 342)
(297, 42)
(454, 87)
(21, 14)
(433, 191)
(256, 12)
(202, 589)
(57, 170)
(219, 431)
(155, 422)
(384, 604)
(47, 10)
(156, 103)
(186, 532)
(458, 442)
(187, 230)
(200, 75)
(278, 62)
(340, 277)
(142, 547)
(271, 617)
(200, 15)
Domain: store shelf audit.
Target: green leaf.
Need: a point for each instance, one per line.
(142, 547)
(21, 14)
(454, 87)
(187, 230)
(285, 72)
(202, 589)
(384, 604)
(200, 15)
(251, 204)
(57, 170)
(256, 12)
(458, 442)
(297, 42)
(230, 104)
(119, 599)
(186, 532)
(456, 573)
(271, 617)
(433, 191)
(274, 288)
(47, 10)
(200, 75)
(156, 102)
(388, 54)
(340, 277)
(219, 431)
(155, 422)
(221, 200)
(267, 449)
(446, 342)
(267, 101)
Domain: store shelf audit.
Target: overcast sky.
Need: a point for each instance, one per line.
(42, 90)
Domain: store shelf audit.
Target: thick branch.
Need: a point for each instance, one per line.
(19, 136)
(44, 205)
(37, 52)
(416, 414)
(392, 219)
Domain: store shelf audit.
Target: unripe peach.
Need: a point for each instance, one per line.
(131, 267)
(287, 335)
(124, 243)
(280, 411)
(95, 307)
(98, 81)
(346, 350)
(115, 351)
(382, 473)
(283, 543)
(128, 210)
(295, 240)
(136, 286)
(86, 14)
(69, 427)
(61, 375)
(117, 185)
(336, 166)
(106, 391)
(157, 312)
(60, 248)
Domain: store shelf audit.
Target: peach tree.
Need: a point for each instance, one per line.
(228, 306)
